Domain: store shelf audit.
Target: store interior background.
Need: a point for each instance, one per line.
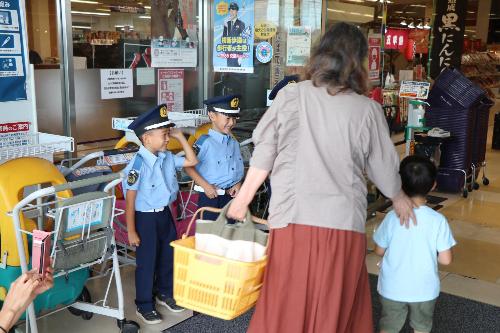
(475, 274)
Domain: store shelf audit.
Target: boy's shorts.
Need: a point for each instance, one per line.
(394, 315)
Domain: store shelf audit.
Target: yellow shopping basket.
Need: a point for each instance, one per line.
(214, 285)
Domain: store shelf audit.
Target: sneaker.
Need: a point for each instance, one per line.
(151, 318)
(169, 303)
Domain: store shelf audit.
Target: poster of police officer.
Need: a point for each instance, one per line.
(233, 36)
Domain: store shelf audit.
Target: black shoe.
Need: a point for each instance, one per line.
(152, 317)
(169, 303)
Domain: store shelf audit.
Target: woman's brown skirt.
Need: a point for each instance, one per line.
(315, 281)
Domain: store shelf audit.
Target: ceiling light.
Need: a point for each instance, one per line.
(419, 25)
(86, 1)
(89, 13)
(145, 17)
(427, 26)
(103, 9)
(411, 25)
(420, 6)
(147, 7)
(81, 27)
(403, 22)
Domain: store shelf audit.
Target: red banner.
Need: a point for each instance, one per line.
(23, 126)
(421, 38)
(396, 39)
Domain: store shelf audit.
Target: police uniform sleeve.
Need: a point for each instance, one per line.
(131, 181)
(199, 148)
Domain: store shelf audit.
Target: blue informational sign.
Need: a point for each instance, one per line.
(233, 36)
(12, 50)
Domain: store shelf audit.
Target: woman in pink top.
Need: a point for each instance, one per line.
(318, 140)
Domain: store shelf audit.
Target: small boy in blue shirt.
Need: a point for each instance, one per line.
(408, 279)
(220, 169)
(150, 187)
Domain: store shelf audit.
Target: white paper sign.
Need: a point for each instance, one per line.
(145, 76)
(10, 43)
(298, 46)
(85, 214)
(116, 83)
(414, 89)
(173, 53)
(11, 66)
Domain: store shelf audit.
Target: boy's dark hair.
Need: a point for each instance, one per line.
(418, 175)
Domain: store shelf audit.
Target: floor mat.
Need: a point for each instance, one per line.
(452, 314)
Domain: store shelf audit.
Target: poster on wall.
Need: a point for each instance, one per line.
(116, 83)
(414, 89)
(171, 89)
(298, 46)
(374, 41)
(233, 36)
(12, 53)
(173, 53)
(448, 33)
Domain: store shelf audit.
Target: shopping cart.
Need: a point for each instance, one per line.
(82, 237)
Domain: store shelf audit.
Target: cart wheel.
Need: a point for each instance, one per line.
(476, 186)
(465, 193)
(128, 326)
(84, 297)
(486, 181)
(469, 188)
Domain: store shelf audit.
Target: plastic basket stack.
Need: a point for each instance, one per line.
(461, 107)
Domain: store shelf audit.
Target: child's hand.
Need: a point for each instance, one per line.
(233, 191)
(210, 191)
(176, 133)
(133, 238)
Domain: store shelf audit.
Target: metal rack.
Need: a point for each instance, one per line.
(37, 144)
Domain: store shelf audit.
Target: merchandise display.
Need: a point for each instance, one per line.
(482, 68)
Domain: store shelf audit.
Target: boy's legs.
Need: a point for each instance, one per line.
(145, 260)
(393, 315)
(421, 314)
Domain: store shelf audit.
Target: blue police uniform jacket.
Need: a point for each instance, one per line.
(220, 162)
(155, 178)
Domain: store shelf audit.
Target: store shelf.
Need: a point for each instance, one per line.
(15, 145)
(483, 69)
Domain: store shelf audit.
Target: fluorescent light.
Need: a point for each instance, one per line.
(399, 12)
(123, 26)
(403, 22)
(86, 1)
(470, 12)
(419, 25)
(89, 13)
(427, 26)
(145, 17)
(103, 9)
(411, 25)
(81, 27)
(420, 6)
(147, 7)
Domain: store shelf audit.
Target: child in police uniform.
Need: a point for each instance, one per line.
(150, 187)
(220, 169)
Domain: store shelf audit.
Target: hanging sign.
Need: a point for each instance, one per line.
(233, 36)
(298, 47)
(116, 83)
(448, 33)
(264, 52)
(414, 89)
(173, 53)
(396, 39)
(12, 53)
(374, 41)
(171, 89)
(128, 9)
(265, 30)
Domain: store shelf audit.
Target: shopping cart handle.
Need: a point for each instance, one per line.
(120, 151)
(87, 182)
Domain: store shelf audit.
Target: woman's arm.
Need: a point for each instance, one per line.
(253, 180)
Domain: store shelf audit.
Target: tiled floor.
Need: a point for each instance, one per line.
(474, 274)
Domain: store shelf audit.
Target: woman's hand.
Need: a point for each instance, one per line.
(403, 207)
(46, 283)
(237, 210)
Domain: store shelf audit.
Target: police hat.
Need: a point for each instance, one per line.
(229, 105)
(155, 118)
(286, 81)
(234, 6)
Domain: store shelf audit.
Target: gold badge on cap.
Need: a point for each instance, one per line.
(163, 112)
(235, 102)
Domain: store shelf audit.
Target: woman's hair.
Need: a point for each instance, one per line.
(337, 60)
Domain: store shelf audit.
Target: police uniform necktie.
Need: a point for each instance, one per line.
(229, 24)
